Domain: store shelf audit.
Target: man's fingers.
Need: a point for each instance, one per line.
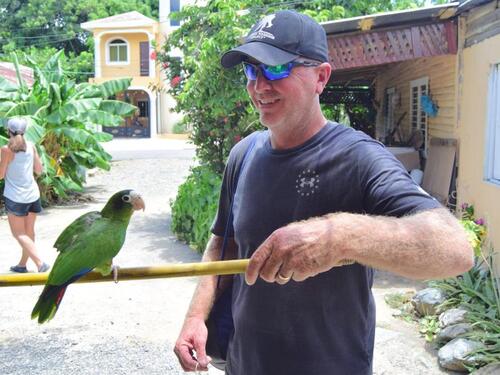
(257, 261)
(201, 355)
(271, 268)
(185, 356)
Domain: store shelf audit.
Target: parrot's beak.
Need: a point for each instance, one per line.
(137, 201)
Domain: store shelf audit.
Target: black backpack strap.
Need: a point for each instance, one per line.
(235, 185)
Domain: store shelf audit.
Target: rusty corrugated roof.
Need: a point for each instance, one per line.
(8, 71)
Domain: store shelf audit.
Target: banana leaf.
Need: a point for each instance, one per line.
(73, 109)
(35, 132)
(3, 140)
(20, 81)
(101, 118)
(102, 137)
(22, 109)
(117, 107)
(113, 87)
(8, 95)
(6, 85)
(5, 107)
(74, 134)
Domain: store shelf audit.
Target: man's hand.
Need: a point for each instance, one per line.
(297, 251)
(192, 339)
(429, 244)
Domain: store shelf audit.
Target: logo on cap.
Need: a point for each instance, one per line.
(259, 32)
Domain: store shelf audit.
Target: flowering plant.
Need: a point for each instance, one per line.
(475, 228)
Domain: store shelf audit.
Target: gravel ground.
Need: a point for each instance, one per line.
(127, 328)
(131, 327)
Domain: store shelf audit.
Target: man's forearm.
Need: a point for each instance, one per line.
(429, 244)
(204, 295)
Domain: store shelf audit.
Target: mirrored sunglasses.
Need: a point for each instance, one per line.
(273, 73)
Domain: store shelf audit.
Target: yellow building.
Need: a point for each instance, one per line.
(124, 48)
(479, 116)
(430, 78)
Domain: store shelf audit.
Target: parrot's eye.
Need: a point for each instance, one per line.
(126, 198)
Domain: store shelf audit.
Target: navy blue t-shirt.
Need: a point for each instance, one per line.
(325, 324)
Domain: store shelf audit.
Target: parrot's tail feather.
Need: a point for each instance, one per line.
(48, 302)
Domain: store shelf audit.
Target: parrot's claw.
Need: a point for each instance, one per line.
(115, 273)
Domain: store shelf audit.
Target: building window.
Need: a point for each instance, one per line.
(117, 52)
(418, 118)
(175, 6)
(492, 165)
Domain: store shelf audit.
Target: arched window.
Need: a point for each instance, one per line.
(117, 51)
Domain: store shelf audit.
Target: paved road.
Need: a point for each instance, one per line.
(130, 327)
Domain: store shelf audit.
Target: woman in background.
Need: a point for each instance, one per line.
(19, 159)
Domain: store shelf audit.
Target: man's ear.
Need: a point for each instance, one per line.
(324, 72)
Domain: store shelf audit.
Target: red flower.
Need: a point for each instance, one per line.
(153, 55)
(165, 65)
(237, 138)
(175, 81)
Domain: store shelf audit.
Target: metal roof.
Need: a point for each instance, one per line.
(469, 4)
(388, 19)
(8, 71)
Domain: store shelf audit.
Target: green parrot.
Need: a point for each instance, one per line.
(90, 242)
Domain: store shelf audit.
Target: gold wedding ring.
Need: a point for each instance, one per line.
(283, 278)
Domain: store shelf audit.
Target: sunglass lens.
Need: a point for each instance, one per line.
(277, 71)
(250, 71)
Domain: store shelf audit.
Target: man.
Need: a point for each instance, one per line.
(314, 195)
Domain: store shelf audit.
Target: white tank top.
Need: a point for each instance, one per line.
(20, 184)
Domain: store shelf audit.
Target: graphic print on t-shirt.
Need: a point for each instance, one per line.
(307, 182)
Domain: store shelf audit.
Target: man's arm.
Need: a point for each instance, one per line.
(204, 295)
(193, 335)
(428, 244)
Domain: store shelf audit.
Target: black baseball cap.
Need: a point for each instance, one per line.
(280, 38)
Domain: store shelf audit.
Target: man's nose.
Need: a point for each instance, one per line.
(261, 83)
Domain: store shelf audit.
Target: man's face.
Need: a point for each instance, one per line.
(285, 102)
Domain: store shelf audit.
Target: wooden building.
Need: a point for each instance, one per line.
(431, 78)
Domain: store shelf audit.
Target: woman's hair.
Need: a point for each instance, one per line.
(17, 127)
(16, 142)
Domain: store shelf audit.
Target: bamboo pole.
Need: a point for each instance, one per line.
(226, 267)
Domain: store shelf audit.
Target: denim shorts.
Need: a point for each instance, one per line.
(22, 209)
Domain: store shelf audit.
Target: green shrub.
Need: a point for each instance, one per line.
(62, 118)
(478, 292)
(195, 207)
(180, 128)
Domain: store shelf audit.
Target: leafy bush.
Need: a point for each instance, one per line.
(180, 128)
(195, 207)
(214, 100)
(476, 231)
(477, 291)
(62, 117)
(429, 327)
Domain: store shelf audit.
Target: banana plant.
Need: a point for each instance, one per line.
(63, 120)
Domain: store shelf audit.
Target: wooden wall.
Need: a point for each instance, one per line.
(442, 74)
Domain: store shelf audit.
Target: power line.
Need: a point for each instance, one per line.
(42, 43)
(35, 37)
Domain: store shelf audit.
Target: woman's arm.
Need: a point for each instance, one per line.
(37, 163)
(6, 157)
